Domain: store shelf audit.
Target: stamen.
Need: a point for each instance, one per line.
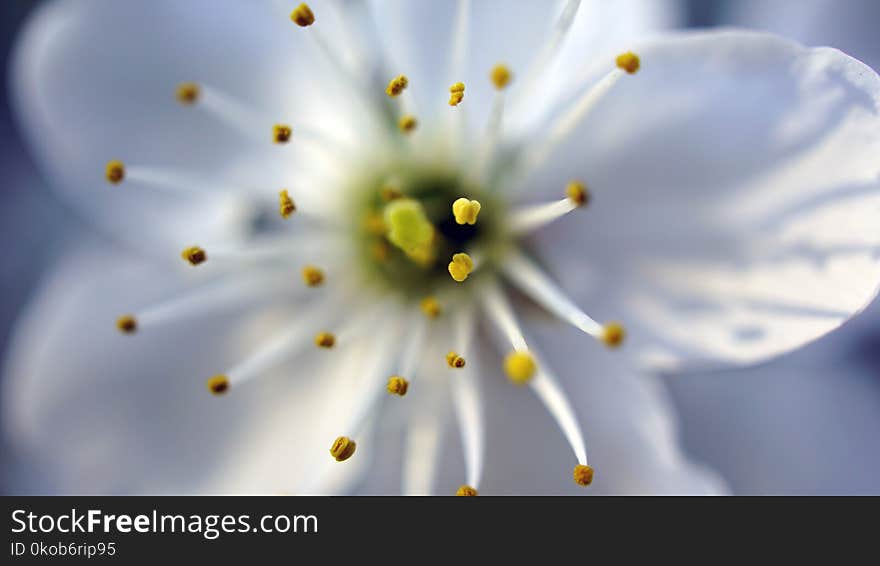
(194, 255)
(397, 385)
(302, 15)
(613, 334)
(407, 123)
(460, 267)
(171, 181)
(281, 133)
(312, 276)
(285, 204)
(520, 367)
(629, 62)
(408, 226)
(325, 340)
(413, 350)
(458, 51)
(431, 307)
(568, 121)
(466, 491)
(577, 192)
(187, 93)
(453, 360)
(127, 324)
(456, 94)
(466, 399)
(499, 311)
(500, 76)
(343, 448)
(583, 475)
(523, 273)
(115, 171)
(466, 211)
(219, 384)
(396, 86)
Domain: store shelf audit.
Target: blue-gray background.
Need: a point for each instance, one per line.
(808, 423)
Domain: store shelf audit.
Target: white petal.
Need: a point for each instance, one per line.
(95, 81)
(849, 26)
(628, 424)
(735, 195)
(88, 410)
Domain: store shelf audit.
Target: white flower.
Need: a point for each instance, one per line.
(716, 192)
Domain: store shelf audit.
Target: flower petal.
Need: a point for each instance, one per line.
(628, 423)
(95, 81)
(735, 198)
(88, 410)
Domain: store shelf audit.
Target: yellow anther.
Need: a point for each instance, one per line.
(454, 360)
(456, 94)
(408, 226)
(127, 324)
(194, 255)
(390, 191)
(281, 133)
(219, 384)
(501, 76)
(577, 193)
(342, 448)
(629, 62)
(188, 93)
(397, 385)
(613, 334)
(520, 367)
(302, 16)
(465, 211)
(407, 123)
(583, 475)
(461, 266)
(325, 340)
(312, 276)
(375, 224)
(431, 307)
(285, 204)
(466, 491)
(115, 171)
(380, 251)
(396, 85)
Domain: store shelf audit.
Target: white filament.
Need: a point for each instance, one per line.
(498, 309)
(466, 400)
(545, 385)
(532, 217)
(537, 285)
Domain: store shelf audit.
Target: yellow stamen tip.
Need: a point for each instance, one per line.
(501, 76)
(312, 276)
(302, 15)
(325, 340)
(629, 62)
(127, 324)
(397, 385)
(408, 226)
(188, 93)
(281, 133)
(431, 307)
(466, 491)
(520, 367)
(286, 206)
(577, 192)
(613, 334)
(466, 211)
(194, 255)
(453, 360)
(218, 385)
(396, 85)
(342, 448)
(456, 94)
(407, 123)
(115, 171)
(460, 267)
(583, 475)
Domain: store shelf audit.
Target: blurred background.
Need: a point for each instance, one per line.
(807, 423)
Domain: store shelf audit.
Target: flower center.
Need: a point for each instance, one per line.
(412, 220)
